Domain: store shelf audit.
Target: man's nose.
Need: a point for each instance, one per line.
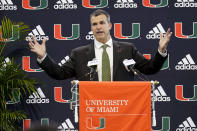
(98, 26)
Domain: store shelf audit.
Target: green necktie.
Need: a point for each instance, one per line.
(106, 73)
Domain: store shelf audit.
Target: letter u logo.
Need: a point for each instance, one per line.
(87, 4)
(148, 4)
(43, 5)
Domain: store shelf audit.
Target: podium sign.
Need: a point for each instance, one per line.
(115, 106)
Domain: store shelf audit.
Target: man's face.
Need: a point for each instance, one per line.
(100, 28)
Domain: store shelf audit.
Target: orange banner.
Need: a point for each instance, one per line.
(115, 106)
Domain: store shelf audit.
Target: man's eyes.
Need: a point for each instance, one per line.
(102, 22)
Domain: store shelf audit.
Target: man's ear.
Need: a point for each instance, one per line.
(110, 25)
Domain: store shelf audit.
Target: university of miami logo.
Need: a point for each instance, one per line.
(15, 34)
(58, 32)
(165, 124)
(26, 5)
(147, 3)
(87, 4)
(27, 65)
(135, 31)
(180, 96)
(179, 31)
(90, 124)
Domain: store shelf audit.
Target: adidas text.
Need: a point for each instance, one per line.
(153, 36)
(38, 38)
(127, 5)
(65, 6)
(33, 101)
(186, 67)
(161, 98)
(186, 129)
(89, 37)
(8, 7)
(185, 4)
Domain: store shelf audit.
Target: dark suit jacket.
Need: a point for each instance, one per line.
(76, 66)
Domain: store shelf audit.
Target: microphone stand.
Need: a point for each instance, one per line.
(138, 74)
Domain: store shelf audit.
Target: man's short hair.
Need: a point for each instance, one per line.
(100, 12)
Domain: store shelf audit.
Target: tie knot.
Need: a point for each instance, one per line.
(104, 46)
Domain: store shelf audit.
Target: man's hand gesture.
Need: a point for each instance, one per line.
(164, 40)
(39, 49)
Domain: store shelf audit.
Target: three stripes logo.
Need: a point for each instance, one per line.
(90, 36)
(88, 4)
(38, 33)
(65, 4)
(125, 4)
(26, 5)
(160, 95)
(155, 32)
(187, 125)
(67, 126)
(187, 63)
(37, 97)
(7, 5)
(185, 3)
(64, 60)
(179, 31)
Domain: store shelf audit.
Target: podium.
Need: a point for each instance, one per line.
(113, 106)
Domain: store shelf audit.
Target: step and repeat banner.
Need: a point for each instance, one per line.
(66, 24)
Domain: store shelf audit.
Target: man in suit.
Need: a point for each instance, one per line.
(108, 52)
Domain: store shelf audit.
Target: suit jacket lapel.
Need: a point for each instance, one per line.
(90, 56)
(116, 56)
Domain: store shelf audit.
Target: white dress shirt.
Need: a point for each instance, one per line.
(98, 54)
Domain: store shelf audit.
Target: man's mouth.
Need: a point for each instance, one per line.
(99, 32)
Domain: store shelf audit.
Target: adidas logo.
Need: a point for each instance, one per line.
(155, 32)
(7, 5)
(63, 61)
(38, 33)
(160, 95)
(66, 126)
(90, 36)
(187, 125)
(65, 4)
(37, 97)
(125, 4)
(186, 63)
(185, 3)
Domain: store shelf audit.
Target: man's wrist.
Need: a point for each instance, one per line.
(164, 53)
(40, 60)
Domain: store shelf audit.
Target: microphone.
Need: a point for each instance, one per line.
(129, 64)
(92, 65)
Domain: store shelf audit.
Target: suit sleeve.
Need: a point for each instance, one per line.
(145, 66)
(57, 72)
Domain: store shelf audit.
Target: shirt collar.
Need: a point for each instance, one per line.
(99, 44)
